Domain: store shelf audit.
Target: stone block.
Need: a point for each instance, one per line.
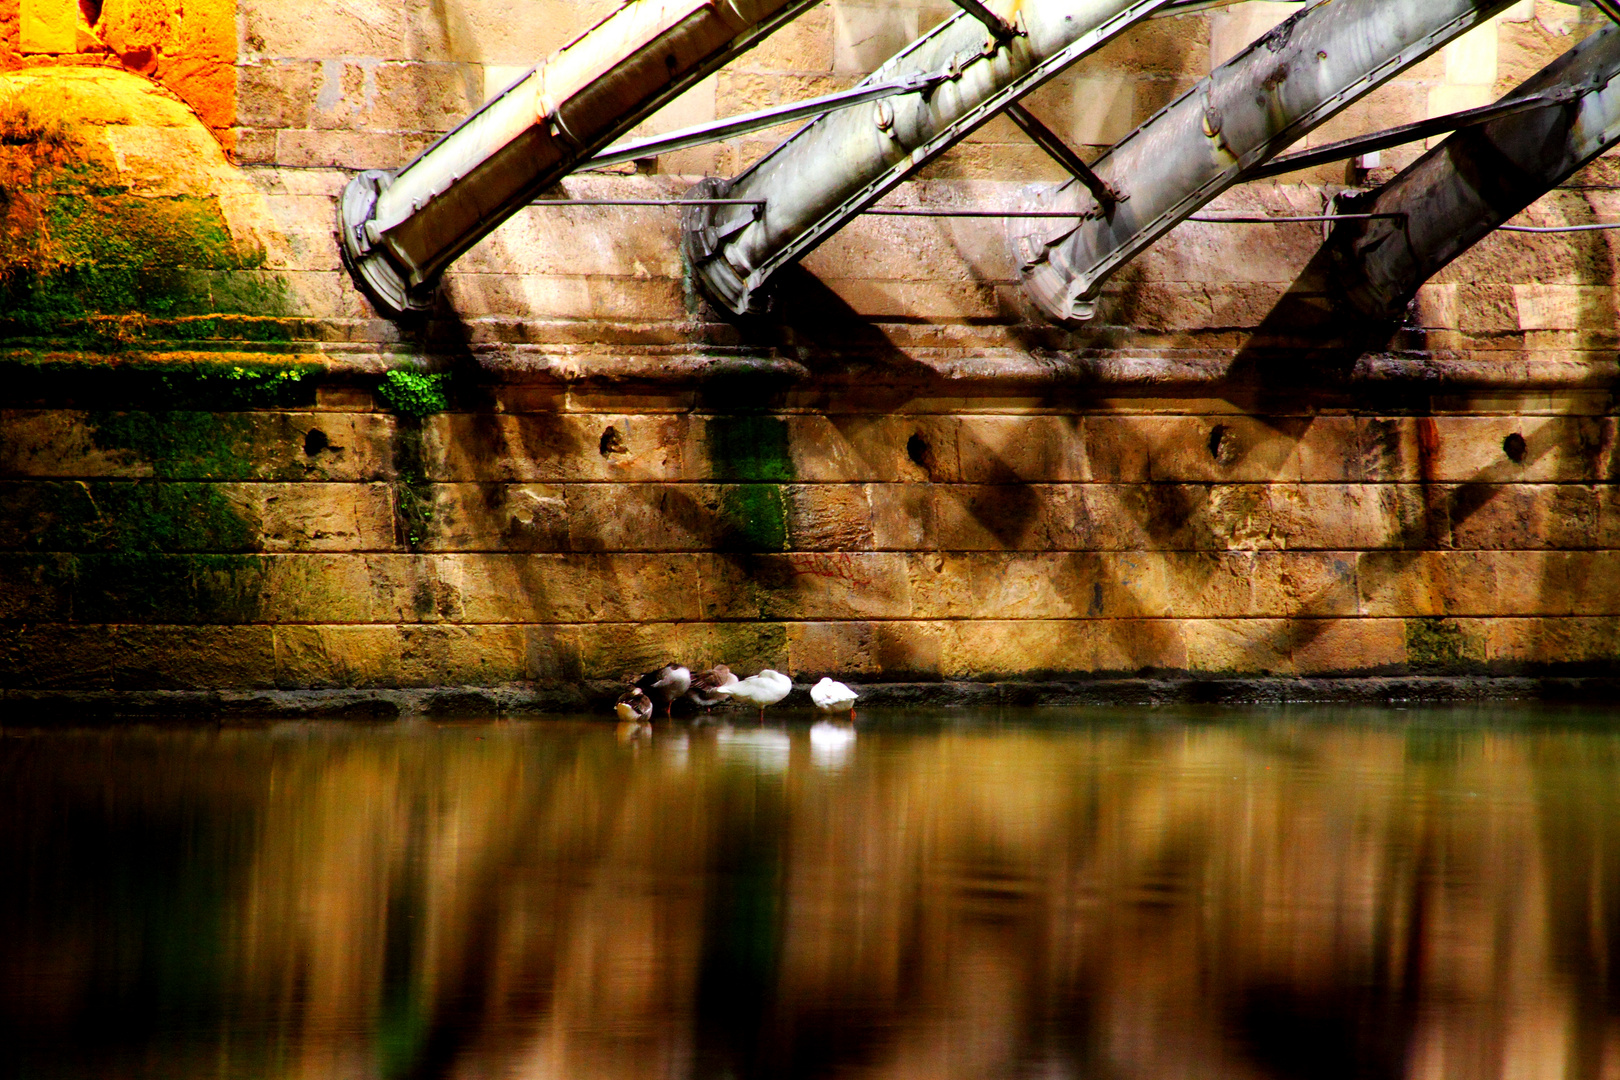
(1592, 582)
(645, 517)
(542, 448)
(1233, 29)
(902, 516)
(909, 650)
(1564, 307)
(1428, 583)
(1340, 517)
(828, 517)
(48, 26)
(806, 585)
(864, 36)
(58, 656)
(647, 588)
(1471, 449)
(320, 657)
(991, 517)
(940, 585)
(283, 28)
(1238, 646)
(1347, 646)
(986, 649)
(1541, 642)
(1014, 449)
(499, 517)
(837, 649)
(316, 517)
(1523, 516)
(193, 658)
(277, 94)
(1471, 59)
(1066, 585)
(462, 655)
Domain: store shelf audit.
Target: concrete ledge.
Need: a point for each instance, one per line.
(69, 707)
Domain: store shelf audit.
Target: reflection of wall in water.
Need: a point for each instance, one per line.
(1193, 902)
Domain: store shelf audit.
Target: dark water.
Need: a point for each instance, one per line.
(1095, 894)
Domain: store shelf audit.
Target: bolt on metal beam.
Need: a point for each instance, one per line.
(1475, 182)
(835, 167)
(399, 230)
(1300, 74)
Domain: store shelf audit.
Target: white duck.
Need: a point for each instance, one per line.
(766, 688)
(832, 696)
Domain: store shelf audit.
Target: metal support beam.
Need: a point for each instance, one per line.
(1476, 181)
(1609, 8)
(1294, 78)
(832, 169)
(732, 126)
(1060, 152)
(399, 230)
(1409, 133)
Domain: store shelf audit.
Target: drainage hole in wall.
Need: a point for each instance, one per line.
(918, 450)
(1514, 447)
(91, 10)
(315, 441)
(1219, 443)
(612, 443)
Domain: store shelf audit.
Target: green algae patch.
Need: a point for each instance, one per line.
(1440, 645)
(414, 394)
(753, 519)
(123, 516)
(78, 239)
(750, 447)
(159, 385)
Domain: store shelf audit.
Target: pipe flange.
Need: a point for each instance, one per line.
(366, 257)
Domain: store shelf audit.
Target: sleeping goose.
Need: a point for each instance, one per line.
(766, 688)
(830, 696)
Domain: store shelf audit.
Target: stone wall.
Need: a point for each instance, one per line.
(219, 482)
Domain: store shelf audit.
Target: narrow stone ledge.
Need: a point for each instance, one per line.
(892, 700)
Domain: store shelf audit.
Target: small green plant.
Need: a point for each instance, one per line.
(411, 393)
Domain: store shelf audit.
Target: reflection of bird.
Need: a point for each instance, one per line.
(703, 693)
(832, 696)
(635, 707)
(766, 688)
(665, 685)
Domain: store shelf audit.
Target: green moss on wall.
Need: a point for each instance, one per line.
(77, 241)
(754, 518)
(412, 393)
(1440, 645)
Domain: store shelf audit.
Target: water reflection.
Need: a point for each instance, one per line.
(1289, 896)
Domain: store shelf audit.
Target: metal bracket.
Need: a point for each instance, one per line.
(1407, 133)
(732, 126)
(1106, 194)
(999, 28)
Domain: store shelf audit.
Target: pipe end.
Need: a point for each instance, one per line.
(384, 284)
(703, 238)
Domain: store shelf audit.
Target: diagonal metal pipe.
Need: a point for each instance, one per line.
(839, 164)
(399, 230)
(1475, 182)
(1268, 97)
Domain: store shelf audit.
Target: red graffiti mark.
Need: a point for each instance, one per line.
(840, 566)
